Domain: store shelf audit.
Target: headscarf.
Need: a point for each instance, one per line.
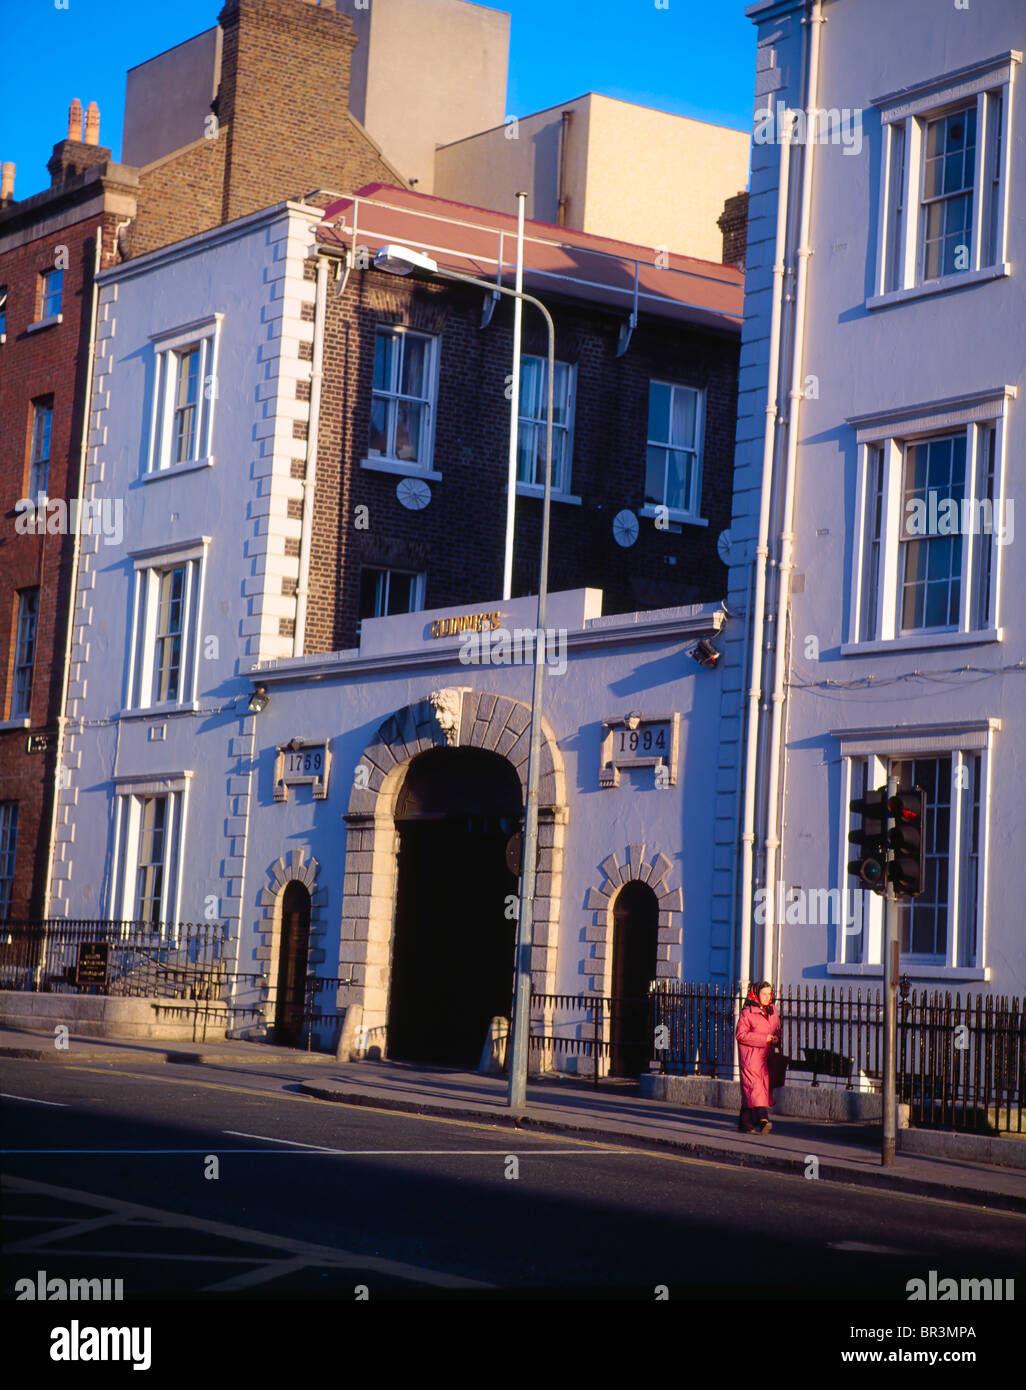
(754, 1002)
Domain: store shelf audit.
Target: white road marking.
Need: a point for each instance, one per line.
(312, 1151)
(411, 1153)
(78, 1228)
(31, 1100)
(238, 1134)
(315, 1254)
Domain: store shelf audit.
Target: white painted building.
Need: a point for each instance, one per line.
(356, 826)
(880, 450)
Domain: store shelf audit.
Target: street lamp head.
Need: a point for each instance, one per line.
(400, 260)
(259, 700)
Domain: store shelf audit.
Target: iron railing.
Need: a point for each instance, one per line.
(184, 967)
(177, 960)
(959, 1065)
(593, 1028)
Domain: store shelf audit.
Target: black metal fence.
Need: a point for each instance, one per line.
(184, 967)
(593, 1029)
(173, 960)
(959, 1065)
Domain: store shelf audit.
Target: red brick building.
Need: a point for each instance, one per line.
(50, 246)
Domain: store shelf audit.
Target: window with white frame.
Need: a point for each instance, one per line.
(184, 393)
(403, 399)
(8, 851)
(945, 179)
(39, 459)
(532, 428)
(932, 523)
(941, 928)
(51, 289)
(24, 653)
(384, 592)
(673, 461)
(162, 655)
(3, 311)
(149, 831)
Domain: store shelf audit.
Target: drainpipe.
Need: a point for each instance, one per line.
(561, 175)
(758, 605)
(62, 718)
(775, 750)
(316, 375)
(745, 675)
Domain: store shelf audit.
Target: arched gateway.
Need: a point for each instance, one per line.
(396, 788)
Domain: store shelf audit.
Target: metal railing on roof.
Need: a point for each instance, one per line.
(500, 262)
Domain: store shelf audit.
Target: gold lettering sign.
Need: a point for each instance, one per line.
(473, 622)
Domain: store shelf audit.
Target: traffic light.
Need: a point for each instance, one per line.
(871, 865)
(907, 838)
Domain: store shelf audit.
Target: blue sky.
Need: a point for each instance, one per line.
(696, 57)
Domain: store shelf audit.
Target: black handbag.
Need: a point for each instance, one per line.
(777, 1069)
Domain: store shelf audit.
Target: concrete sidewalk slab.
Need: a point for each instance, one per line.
(40, 1047)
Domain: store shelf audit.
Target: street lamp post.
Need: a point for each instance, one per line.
(400, 260)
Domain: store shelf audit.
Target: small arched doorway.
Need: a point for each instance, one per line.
(293, 950)
(635, 942)
(453, 948)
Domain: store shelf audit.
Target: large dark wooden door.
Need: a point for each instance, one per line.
(453, 951)
(293, 950)
(635, 941)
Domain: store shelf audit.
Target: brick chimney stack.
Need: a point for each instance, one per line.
(75, 154)
(733, 223)
(6, 183)
(284, 98)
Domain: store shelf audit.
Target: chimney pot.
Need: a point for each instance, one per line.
(7, 181)
(92, 124)
(75, 120)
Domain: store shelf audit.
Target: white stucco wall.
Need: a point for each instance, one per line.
(251, 273)
(941, 347)
(426, 72)
(632, 173)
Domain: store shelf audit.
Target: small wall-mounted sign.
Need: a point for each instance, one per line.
(640, 740)
(39, 743)
(465, 622)
(93, 963)
(302, 763)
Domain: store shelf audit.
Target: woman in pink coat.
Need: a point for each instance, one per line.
(757, 1033)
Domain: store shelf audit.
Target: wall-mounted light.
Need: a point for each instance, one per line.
(706, 654)
(632, 720)
(259, 700)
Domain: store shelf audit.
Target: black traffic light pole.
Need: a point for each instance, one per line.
(890, 1048)
(892, 841)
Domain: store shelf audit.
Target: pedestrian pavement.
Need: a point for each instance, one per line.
(611, 1114)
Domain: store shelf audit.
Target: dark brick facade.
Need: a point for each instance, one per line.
(733, 223)
(458, 538)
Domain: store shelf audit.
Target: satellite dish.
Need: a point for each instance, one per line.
(625, 528)
(725, 546)
(413, 493)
